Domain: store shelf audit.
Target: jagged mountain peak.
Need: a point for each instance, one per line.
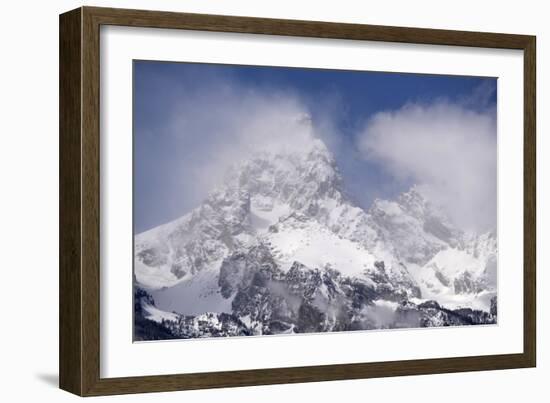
(412, 213)
(296, 177)
(256, 194)
(311, 154)
(411, 202)
(292, 202)
(414, 201)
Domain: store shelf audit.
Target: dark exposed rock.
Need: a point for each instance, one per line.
(152, 257)
(494, 310)
(207, 325)
(145, 329)
(442, 278)
(238, 270)
(309, 318)
(178, 270)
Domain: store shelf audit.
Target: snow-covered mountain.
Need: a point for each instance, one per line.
(280, 247)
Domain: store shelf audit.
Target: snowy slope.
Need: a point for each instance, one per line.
(313, 244)
(194, 295)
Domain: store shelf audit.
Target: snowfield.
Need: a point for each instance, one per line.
(314, 245)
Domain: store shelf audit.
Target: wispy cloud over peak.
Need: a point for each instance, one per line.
(446, 148)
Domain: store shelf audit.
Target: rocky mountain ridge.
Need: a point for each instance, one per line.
(281, 248)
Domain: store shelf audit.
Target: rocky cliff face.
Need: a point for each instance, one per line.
(280, 248)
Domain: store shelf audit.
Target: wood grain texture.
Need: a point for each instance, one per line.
(90, 202)
(80, 201)
(70, 314)
(530, 203)
(316, 29)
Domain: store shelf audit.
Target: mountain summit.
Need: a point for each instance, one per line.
(280, 248)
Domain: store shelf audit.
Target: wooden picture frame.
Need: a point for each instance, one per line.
(79, 348)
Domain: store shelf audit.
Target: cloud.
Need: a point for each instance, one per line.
(225, 127)
(446, 148)
(210, 127)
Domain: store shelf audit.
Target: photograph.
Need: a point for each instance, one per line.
(286, 200)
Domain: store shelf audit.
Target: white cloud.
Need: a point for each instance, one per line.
(447, 149)
(224, 124)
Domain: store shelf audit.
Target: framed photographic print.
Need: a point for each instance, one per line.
(249, 201)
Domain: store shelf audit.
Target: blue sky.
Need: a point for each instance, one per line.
(182, 109)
